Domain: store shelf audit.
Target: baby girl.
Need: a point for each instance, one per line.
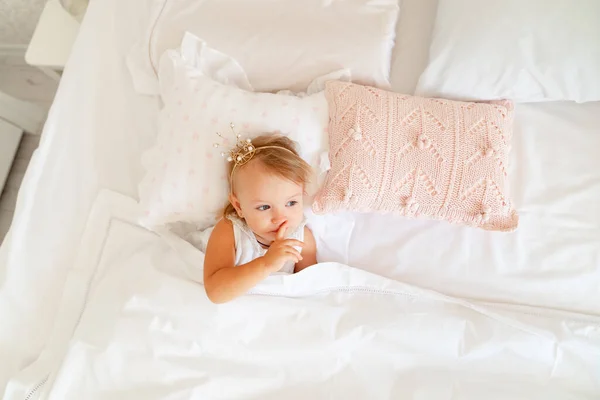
(263, 227)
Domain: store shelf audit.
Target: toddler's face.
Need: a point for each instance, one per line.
(267, 201)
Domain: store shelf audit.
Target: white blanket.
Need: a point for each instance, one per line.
(135, 323)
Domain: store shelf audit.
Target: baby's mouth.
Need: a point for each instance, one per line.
(274, 232)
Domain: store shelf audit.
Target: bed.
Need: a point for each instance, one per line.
(95, 306)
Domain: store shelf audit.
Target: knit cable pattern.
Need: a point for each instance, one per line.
(418, 157)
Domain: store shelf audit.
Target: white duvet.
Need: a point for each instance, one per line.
(135, 323)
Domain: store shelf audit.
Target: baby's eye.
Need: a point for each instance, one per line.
(263, 207)
(291, 203)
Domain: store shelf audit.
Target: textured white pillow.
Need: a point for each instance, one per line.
(281, 44)
(534, 50)
(186, 176)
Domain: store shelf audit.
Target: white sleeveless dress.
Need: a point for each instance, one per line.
(247, 247)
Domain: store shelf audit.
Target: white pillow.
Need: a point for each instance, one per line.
(281, 44)
(186, 176)
(533, 50)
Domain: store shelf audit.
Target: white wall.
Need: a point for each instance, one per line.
(18, 19)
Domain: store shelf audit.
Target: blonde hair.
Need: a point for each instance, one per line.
(280, 158)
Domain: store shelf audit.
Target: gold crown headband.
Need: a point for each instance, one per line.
(243, 151)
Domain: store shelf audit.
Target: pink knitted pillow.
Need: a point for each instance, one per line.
(413, 156)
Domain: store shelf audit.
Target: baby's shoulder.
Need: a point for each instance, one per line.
(224, 221)
(223, 228)
(308, 235)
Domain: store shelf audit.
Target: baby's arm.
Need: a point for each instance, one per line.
(309, 251)
(223, 281)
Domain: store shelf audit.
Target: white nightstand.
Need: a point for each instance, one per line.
(52, 40)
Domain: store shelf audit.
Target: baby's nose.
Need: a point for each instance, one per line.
(278, 219)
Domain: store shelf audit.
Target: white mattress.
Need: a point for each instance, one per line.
(96, 131)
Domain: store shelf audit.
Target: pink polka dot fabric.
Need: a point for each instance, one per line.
(418, 157)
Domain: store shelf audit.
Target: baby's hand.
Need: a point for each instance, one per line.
(281, 251)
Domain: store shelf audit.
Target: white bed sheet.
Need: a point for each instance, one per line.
(135, 323)
(96, 130)
(552, 260)
(98, 127)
